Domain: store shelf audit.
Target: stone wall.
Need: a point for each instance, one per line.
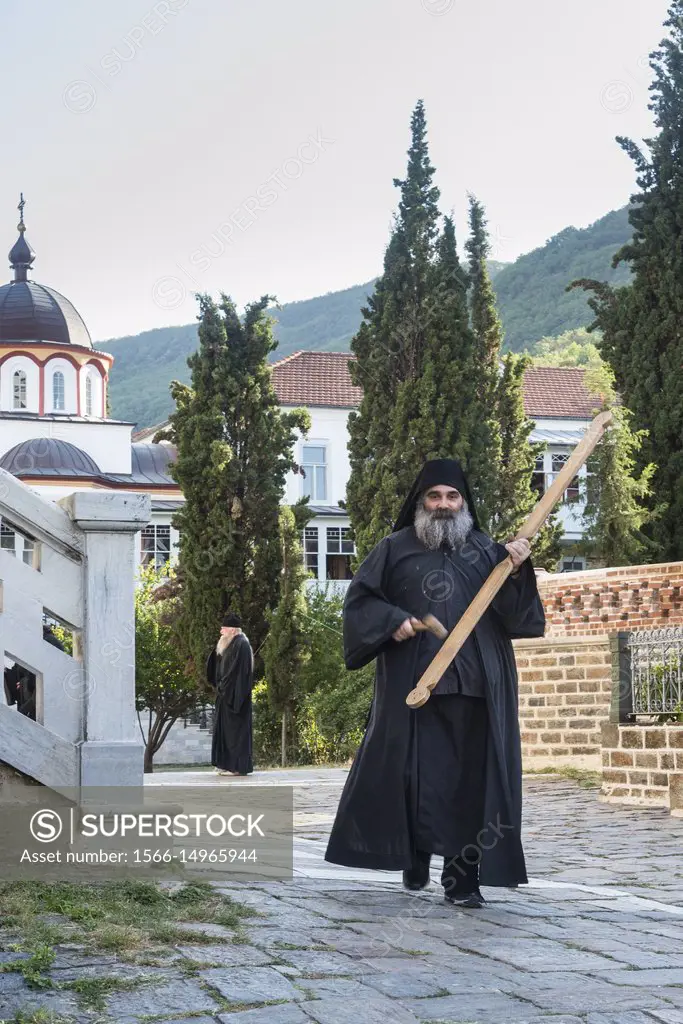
(185, 744)
(643, 765)
(600, 601)
(565, 688)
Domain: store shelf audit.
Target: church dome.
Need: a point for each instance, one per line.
(47, 456)
(33, 312)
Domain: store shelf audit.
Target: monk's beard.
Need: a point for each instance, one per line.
(223, 643)
(442, 526)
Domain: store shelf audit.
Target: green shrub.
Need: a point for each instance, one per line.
(332, 712)
(266, 728)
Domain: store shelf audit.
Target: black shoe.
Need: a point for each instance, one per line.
(469, 900)
(417, 877)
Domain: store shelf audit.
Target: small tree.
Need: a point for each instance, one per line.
(163, 691)
(284, 654)
(515, 497)
(335, 705)
(616, 498)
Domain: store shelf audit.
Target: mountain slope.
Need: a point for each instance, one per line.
(531, 294)
(531, 291)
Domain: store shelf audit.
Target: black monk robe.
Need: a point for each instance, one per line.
(399, 578)
(232, 676)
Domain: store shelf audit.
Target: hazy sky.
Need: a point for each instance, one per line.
(249, 146)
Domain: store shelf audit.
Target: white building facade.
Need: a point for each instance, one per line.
(555, 399)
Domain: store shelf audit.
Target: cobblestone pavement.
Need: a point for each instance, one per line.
(596, 937)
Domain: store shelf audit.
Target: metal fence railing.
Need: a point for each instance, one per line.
(202, 716)
(656, 671)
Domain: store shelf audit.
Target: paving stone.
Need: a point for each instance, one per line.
(175, 1020)
(229, 955)
(285, 1013)
(218, 931)
(345, 988)
(11, 981)
(576, 993)
(117, 970)
(539, 954)
(672, 995)
(179, 996)
(647, 978)
(250, 984)
(10, 958)
(334, 910)
(268, 936)
(353, 1011)
(627, 1017)
(405, 984)
(668, 1016)
(18, 998)
(404, 937)
(470, 1006)
(313, 961)
(352, 943)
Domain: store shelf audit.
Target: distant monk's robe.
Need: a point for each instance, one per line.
(231, 674)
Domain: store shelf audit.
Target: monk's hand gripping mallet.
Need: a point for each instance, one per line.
(431, 623)
(433, 673)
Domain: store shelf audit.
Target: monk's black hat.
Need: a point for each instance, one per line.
(435, 473)
(231, 619)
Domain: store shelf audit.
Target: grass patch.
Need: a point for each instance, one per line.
(34, 967)
(116, 916)
(36, 1017)
(91, 991)
(584, 777)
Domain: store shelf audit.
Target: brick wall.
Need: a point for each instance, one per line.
(564, 696)
(602, 601)
(643, 764)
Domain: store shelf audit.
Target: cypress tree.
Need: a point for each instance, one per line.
(641, 323)
(234, 449)
(410, 355)
(485, 458)
(502, 457)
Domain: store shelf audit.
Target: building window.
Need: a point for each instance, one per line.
(19, 389)
(156, 545)
(8, 538)
(313, 469)
(340, 547)
(88, 395)
(16, 543)
(58, 391)
(538, 476)
(559, 461)
(573, 563)
(311, 550)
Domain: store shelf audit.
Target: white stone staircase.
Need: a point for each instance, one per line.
(80, 570)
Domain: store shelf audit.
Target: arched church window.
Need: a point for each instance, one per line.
(19, 389)
(58, 391)
(88, 395)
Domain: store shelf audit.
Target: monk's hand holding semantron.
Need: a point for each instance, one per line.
(405, 630)
(519, 551)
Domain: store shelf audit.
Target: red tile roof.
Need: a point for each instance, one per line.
(315, 378)
(322, 378)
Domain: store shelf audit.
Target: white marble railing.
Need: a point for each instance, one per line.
(80, 570)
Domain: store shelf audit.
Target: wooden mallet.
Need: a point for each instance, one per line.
(431, 623)
(433, 673)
